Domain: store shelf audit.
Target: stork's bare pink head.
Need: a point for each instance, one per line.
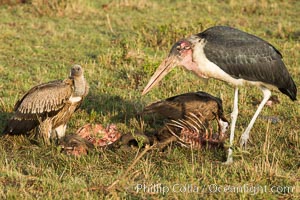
(180, 54)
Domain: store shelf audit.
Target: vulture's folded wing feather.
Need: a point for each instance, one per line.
(46, 97)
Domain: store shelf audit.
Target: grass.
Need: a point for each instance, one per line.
(120, 44)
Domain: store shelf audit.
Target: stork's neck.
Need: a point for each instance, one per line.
(79, 86)
(189, 64)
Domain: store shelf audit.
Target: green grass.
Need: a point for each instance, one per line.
(120, 44)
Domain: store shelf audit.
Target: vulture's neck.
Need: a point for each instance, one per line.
(79, 85)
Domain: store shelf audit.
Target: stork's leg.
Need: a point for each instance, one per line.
(245, 135)
(234, 115)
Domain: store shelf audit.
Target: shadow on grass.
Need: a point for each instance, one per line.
(4, 117)
(118, 109)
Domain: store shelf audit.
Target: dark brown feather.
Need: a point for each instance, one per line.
(201, 104)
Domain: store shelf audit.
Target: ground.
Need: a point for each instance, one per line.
(120, 44)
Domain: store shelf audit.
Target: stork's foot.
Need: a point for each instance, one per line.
(244, 139)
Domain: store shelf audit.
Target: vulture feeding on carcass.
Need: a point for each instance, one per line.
(190, 115)
(46, 108)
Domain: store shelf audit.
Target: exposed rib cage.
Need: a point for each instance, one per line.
(191, 130)
(190, 116)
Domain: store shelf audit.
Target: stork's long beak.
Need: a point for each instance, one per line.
(164, 68)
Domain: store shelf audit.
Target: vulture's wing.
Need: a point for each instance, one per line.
(44, 98)
(39, 102)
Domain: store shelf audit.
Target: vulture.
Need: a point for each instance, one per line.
(46, 108)
(192, 110)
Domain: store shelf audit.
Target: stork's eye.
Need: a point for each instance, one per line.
(180, 48)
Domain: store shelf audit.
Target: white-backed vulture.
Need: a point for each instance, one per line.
(48, 107)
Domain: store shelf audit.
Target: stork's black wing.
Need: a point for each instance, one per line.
(248, 57)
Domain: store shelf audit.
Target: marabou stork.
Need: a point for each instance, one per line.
(232, 56)
(49, 106)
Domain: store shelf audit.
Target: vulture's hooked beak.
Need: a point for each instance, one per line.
(164, 68)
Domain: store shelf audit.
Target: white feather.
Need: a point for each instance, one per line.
(75, 99)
